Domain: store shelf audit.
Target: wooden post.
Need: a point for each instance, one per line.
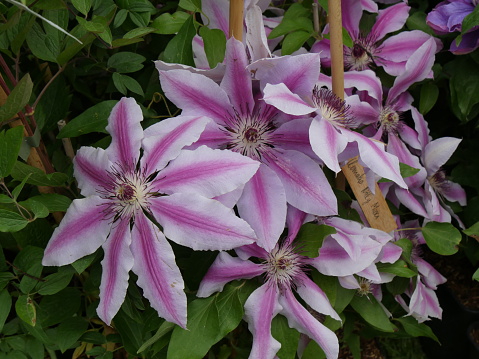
(374, 206)
(236, 19)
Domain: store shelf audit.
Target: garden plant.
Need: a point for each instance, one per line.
(232, 179)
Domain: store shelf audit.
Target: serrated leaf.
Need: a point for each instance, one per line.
(202, 333)
(36, 176)
(69, 331)
(95, 119)
(169, 23)
(370, 310)
(215, 45)
(310, 238)
(442, 238)
(25, 309)
(10, 143)
(125, 62)
(179, 50)
(17, 99)
(83, 6)
(5, 306)
(412, 327)
(11, 221)
(428, 97)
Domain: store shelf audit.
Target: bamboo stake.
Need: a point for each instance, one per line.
(236, 19)
(374, 205)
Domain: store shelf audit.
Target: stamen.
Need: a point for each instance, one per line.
(283, 266)
(331, 106)
(439, 182)
(362, 54)
(390, 120)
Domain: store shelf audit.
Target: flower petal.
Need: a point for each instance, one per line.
(81, 232)
(294, 135)
(263, 206)
(206, 172)
(260, 309)
(126, 132)
(305, 184)
(200, 223)
(225, 269)
(90, 170)
(390, 19)
(164, 140)
(158, 274)
(116, 264)
(437, 153)
(283, 99)
(301, 320)
(256, 39)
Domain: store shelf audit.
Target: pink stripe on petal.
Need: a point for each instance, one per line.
(294, 220)
(305, 184)
(90, 166)
(237, 79)
(158, 274)
(126, 132)
(365, 81)
(263, 206)
(390, 19)
(206, 172)
(301, 320)
(260, 309)
(81, 232)
(294, 135)
(225, 269)
(217, 14)
(117, 263)
(352, 11)
(200, 223)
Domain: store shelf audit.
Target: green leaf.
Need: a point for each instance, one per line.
(399, 268)
(202, 333)
(470, 20)
(472, 231)
(140, 19)
(58, 307)
(95, 119)
(407, 247)
(41, 45)
(230, 305)
(428, 97)
(17, 99)
(94, 337)
(74, 47)
(69, 331)
(475, 276)
(293, 41)
(442, 238)
(412, 327)
(125, 62)
(464, 85)
(338, 296)
(288, 337)
(38, 209)
(310, 238)
(124, 82)
(5, 306)
(347, 40)
(11, 221)
(83, 6)
(36, 176)
(406, 171)
(136, 33)
(18, 189)
(5, 278)
(54, 105)
(98, 25)
(6, 199)
(370, 310)
(417, 21)
(169, 23)
(10, 142)
(25, 309)
(179, 50)
(289, 25)
(164, 329)
(215, 45)
(83, 263)
(120, 18)
(190, 5)
(53, 202)
(130, 331)
(29, 264)
(55, 282)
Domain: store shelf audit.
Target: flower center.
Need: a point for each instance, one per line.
(364, 287)
(439, 182)
(390, 119)
(283, 265)
(251, 134)
(125, 192)
(332, 108)
(361, 55)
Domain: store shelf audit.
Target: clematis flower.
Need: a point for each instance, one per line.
(371, 50)
(125, 192)
(285, 272)
(447, 17)
(248, 126)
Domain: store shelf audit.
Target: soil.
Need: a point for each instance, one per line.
(369, 350)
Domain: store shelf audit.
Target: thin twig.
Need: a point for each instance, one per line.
(25, 273)
(46, 87)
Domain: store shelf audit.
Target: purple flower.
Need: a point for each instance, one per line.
(447, 17)
(123, 191)
(248, 126)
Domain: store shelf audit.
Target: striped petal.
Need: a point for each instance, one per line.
(305, 184)
(126, 132)
(260, 309)
(163, 141)
(225, 269)
(200, 223)
(90, 170)
(390, 19)
(438, 152)
(283, 99)
(81, 232)
(158, 274)
(304, 322)
(206, 172)
(116, 264)
(263, 206)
